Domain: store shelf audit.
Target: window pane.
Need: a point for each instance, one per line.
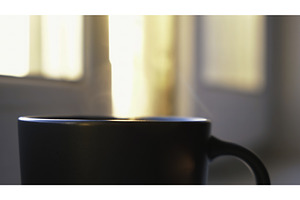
(43, 46)
(234, 52)
(14, 45)
(61, 39)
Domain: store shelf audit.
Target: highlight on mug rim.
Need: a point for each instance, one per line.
(74, 119)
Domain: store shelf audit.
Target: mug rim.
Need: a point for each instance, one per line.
(78, 119)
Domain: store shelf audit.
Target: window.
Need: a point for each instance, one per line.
(14, 48)
(233, 49)
(41, 46)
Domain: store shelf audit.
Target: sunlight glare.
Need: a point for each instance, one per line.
(62, 47)
(126, 43)
(14, 48)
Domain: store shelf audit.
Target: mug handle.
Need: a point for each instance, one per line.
(217, 148)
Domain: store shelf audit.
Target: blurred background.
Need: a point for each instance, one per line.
(241, 72)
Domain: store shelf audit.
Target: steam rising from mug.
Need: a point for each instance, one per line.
(189, 101)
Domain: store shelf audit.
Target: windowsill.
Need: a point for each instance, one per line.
(40, 81)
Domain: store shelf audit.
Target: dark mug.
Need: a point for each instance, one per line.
(107, 150)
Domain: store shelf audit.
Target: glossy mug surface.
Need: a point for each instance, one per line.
(106, 150)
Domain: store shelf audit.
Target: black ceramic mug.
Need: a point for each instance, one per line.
(106, 150)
